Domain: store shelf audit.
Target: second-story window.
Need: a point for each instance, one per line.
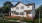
(17, 8)
(27, 6)
(22, 7)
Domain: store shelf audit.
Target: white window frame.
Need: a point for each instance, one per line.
(29, 12)
(27, 6)
(13, 12)
(17, 13)
(22, 7)
(17, 8)
(22, 13)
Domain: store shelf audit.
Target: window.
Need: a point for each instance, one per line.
(17, 13)
(13, 12)
(17, 8)
(27, 6)
(29, 12)
(21, 13)
(22, 7)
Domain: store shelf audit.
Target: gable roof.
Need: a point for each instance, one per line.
(25, 4)
(18, 3)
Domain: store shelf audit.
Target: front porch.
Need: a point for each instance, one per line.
(26, 15)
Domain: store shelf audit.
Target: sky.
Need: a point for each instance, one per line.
(37, 2)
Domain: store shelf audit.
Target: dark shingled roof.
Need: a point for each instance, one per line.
(25, 4)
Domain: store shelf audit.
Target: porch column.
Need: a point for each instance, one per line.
(9, 13)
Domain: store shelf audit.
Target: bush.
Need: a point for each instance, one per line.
(1, 15)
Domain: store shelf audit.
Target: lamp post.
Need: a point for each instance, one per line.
(39, 15)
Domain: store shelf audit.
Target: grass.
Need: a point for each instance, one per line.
(12, 19)
(40, 19)
(4, 21)
(37, 20)
(26, 20)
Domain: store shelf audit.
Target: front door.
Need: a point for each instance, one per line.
(26, 14)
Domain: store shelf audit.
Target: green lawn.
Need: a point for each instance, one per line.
(37, 20)
(41, 20)
(4, 21)
(26, 20)
(12, 19)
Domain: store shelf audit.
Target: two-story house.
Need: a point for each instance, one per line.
(23, 10)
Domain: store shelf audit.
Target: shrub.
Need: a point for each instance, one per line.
(26, 20)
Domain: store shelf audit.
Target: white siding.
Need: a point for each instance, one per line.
(22, 10)
(24, 14)
(30, 15)
(33, 11)
(13, 9)
(26, 8)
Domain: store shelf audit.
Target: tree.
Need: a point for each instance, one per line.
(0, 10)
(37, 12)
(6, 6)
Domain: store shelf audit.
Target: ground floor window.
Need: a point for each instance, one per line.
(13, 12)
(17, 13)
(21, 13)
(28, 12)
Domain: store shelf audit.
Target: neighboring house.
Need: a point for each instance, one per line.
(23, 10)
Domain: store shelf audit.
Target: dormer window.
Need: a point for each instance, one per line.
(17, 8)
(22, 7)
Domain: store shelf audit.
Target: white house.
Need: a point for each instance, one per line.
(23, 10)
